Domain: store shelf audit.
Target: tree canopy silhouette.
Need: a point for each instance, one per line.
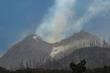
(78, 68)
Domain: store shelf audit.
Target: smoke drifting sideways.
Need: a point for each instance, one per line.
(62, 22)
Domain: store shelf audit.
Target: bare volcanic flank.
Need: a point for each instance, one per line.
(77, 41)
(95, 57)
(31, 51)
(82, 45)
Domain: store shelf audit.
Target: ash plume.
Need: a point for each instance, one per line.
(61, 20)
(57, 20)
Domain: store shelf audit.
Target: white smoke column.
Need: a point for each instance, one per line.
(57, 21)
(61, 19)
(95, 8)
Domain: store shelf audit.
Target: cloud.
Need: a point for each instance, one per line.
(97, 7)
(57, 20)
(62, 21)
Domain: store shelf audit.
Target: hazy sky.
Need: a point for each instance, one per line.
(20, 17)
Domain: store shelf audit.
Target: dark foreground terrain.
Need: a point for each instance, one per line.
(97, 70)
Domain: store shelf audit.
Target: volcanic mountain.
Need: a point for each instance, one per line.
(82, 45)
(95, 57)
(33, 52)
(77, 41)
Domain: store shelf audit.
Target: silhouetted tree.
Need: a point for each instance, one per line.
(3, 70)
(78, 68)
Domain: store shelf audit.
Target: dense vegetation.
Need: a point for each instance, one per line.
(97, 70)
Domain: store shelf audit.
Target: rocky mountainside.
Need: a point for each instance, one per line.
(82, 45)
(31, 51)
(95, 57)
(77, 41)
(82, 37)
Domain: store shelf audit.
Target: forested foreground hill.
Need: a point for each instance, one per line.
(97, 70)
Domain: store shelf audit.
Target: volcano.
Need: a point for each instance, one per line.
(33, 52)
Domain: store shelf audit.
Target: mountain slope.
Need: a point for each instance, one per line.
(31, 51)
(95, 57)
(77, 41)
(82, 45)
